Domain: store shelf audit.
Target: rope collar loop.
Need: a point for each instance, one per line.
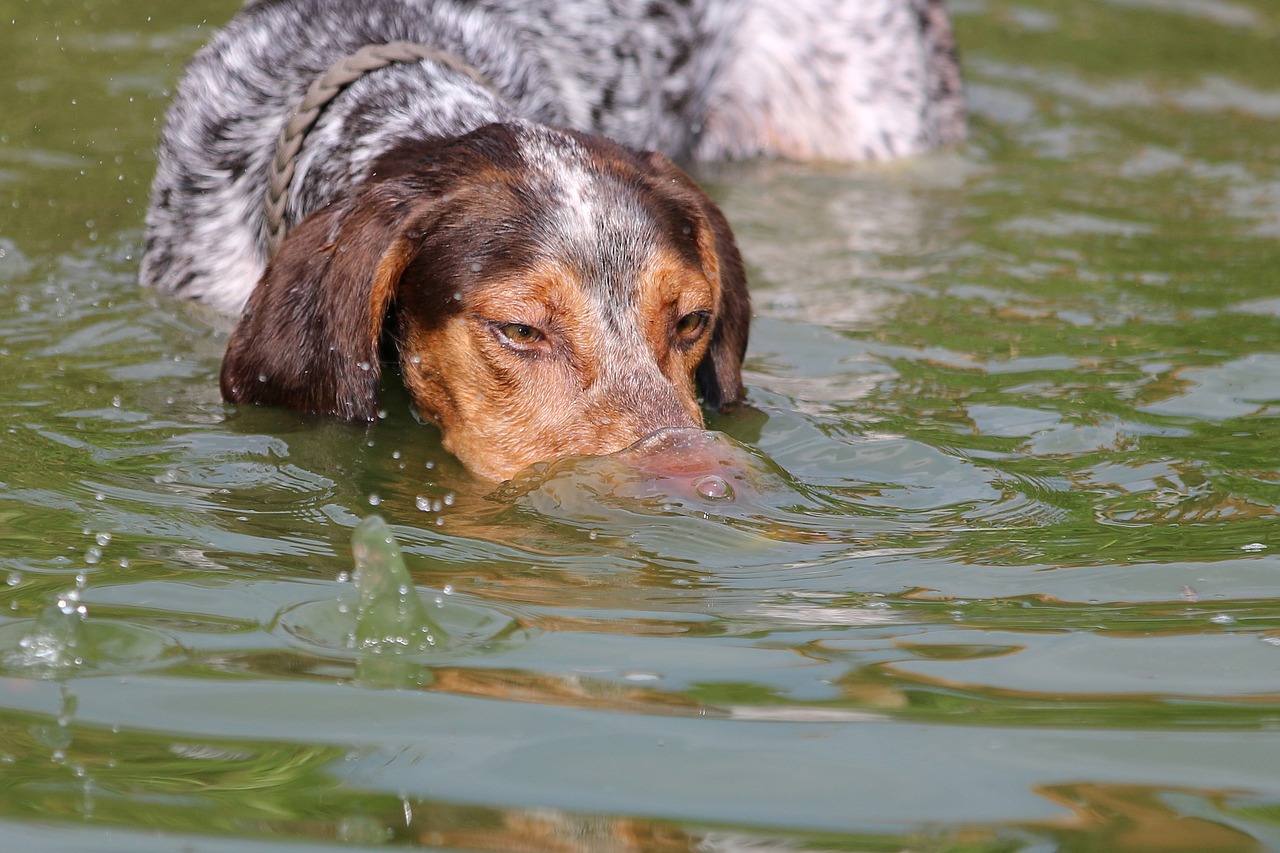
(319, 95)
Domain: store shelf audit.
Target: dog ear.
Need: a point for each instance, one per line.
(309, 336)
(719, 374)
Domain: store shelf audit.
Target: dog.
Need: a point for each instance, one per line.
(498, 209)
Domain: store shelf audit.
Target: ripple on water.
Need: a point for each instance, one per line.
(389, 621)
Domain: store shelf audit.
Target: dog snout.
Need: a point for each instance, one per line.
(635, 400)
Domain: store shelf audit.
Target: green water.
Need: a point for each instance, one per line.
(1014, 584)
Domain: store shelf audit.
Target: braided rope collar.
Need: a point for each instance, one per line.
(321, 92)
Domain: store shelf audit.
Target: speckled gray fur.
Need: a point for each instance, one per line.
(698, 79)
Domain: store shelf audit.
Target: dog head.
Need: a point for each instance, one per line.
(547, 293)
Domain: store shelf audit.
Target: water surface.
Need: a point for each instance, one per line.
(1010, 583)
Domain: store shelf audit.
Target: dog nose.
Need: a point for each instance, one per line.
(690, 462)
(673, 465)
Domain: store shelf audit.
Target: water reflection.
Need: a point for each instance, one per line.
(1144, 818)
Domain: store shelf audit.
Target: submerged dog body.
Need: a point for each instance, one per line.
(548, 291)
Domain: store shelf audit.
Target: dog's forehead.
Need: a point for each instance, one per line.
(594, 199)
(600, 214)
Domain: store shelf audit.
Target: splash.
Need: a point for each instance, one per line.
(390, 617)
(57, 641)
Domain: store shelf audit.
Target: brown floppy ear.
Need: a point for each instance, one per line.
(310, 332)
(719, 374)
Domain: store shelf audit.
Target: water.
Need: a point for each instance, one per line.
(1010, 582)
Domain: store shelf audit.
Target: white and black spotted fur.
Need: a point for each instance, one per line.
(697, 79)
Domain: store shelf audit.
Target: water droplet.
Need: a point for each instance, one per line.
(374, 500)
(713, 487)
(103, 539)
(1223, 619)
(15, 578)
(1253, 546)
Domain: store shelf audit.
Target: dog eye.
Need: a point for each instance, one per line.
(690, 326)
(520, 334)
